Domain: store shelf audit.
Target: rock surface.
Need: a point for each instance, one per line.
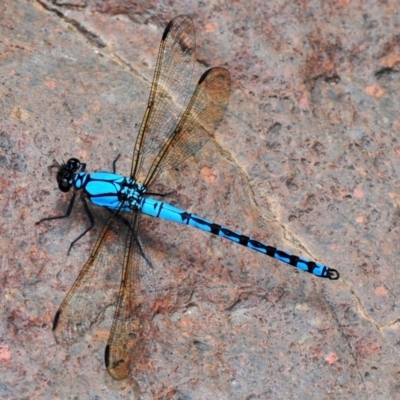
(306, 159)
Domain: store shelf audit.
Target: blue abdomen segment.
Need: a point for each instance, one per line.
(168, 212)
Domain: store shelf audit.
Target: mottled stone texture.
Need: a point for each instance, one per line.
(307, 159)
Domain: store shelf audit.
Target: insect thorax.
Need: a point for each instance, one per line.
(130, 193)
(107, 189)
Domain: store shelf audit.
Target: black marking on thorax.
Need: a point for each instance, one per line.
(131, 193)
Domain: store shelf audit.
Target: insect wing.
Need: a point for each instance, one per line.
(200, 120)
(168, 93)
(92, 292)
(134, 308)
(96, 287)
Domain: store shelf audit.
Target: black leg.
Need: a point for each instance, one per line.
(125, 221)
(161, 194)
(91, 219)
(67, 214)
(115, 163)
(135, 237)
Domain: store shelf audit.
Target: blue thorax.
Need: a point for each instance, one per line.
(106, 189)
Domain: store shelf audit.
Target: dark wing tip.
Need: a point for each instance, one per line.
(176, 20)
(204, 76)
(55, 320)
(107, 356)
(167, 29)
(118, 370)
(221, 71)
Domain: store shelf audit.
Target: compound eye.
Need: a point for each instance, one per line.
(73, 164)
(64, 185)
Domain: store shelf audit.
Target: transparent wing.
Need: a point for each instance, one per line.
(96, 287)
(168, 93)
(133, 308)
(200, 120)
(89, 296)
